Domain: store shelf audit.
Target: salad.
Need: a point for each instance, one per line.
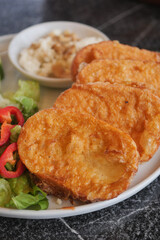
(16, 187)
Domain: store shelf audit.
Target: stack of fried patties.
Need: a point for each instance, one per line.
(119, 85)
(89, 145)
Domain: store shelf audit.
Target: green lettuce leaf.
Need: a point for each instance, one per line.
(20, 184)
(25, 98)
(36, 190)
(28, 89)
(27, 105)
(29, 201)
(15, 133)
(9, 166)
(5, 192)
(26, 195)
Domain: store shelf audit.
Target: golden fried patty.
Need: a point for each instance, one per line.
(127, 72)
(111, 50)
(135, 111)
(76, 155)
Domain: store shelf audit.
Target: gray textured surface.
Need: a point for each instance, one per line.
(130, 22)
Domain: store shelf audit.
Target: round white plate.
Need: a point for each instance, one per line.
(146, 174)
(29, 35)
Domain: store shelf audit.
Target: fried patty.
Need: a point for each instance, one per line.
(127, 72)
(134, 111)
(76, 155)
(111, 50)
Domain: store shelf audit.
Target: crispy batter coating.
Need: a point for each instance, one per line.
(135, 111)
(128, 72)
(111, 50)
(76, 155)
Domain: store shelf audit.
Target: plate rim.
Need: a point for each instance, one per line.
(78, 210)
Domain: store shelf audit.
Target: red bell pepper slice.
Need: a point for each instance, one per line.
(7, 156)
(5, 132)
(5, 115)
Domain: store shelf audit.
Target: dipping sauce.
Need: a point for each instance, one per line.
(52, 55)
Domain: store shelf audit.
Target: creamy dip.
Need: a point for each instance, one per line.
(52, 55)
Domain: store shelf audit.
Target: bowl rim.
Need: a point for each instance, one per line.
(35, 76)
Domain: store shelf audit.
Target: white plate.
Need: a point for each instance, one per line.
(146, 174)
(26, 37)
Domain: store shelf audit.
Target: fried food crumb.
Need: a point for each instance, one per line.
(59, 201)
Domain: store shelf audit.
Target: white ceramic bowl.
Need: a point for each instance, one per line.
(26, 37)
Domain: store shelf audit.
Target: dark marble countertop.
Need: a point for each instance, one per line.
(129, 21)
